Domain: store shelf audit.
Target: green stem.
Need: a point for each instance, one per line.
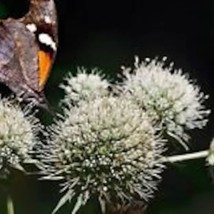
(10, 206)
(184, 157)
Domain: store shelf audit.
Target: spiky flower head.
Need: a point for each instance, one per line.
(105, 148)
(18, 129)
(168, 96)
(84, 86)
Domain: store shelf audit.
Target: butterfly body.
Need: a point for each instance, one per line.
(27, 50)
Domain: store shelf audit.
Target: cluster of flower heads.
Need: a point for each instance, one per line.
(109, 145)
(18, 131)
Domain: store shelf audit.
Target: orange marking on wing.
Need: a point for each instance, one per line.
(45, 62)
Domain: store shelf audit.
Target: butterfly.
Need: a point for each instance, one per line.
(28, 47)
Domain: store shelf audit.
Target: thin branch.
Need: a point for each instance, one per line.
(189, 156)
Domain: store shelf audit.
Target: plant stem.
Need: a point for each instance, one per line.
(10, 207)
(189, 156)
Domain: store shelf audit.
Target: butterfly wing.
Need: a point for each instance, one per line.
(28, 48)
(25, 53)
(8, 75)
(42, 21)
(19, 61)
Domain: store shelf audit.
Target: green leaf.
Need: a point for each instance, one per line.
(78, 204)
(102, 205)
(67, 197)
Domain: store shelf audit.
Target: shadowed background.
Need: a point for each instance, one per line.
(107, 34)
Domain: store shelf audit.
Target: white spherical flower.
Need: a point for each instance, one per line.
(168, 96)
(18, 130)
(105, 148)
(84, 87)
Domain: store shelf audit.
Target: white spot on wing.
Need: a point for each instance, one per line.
(47, 19)
(46, 39)
(31, 27)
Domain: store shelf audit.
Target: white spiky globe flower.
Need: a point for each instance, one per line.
(84, 86)
(105, 148)
(18, 135)
(168, 96)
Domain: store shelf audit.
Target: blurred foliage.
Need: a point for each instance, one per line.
(3, 11)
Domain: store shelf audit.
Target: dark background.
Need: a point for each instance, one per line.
(107, 34)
